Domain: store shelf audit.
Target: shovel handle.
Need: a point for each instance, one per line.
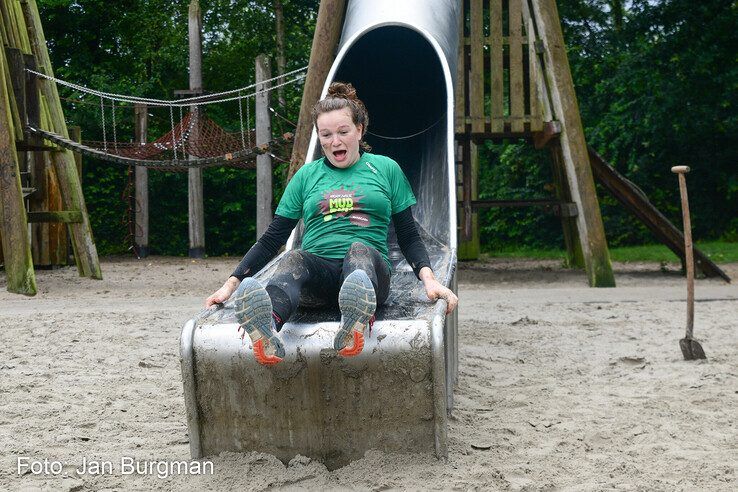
(680, 169)
(688, 255)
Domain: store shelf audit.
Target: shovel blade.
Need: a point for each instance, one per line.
(691, 349)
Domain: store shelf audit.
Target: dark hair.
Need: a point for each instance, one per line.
(343, 95)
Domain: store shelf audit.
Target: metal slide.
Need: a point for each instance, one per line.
(396, 395)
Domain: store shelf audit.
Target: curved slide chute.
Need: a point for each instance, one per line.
(395, 396)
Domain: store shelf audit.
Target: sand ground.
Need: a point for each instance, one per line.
(561, 386)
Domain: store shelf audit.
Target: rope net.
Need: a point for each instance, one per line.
(195, 135)
(193, 138)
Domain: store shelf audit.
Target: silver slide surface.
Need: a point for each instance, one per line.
(396, 395)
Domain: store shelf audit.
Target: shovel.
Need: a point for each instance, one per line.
(691, 348)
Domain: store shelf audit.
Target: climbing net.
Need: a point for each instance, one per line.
(193, 139)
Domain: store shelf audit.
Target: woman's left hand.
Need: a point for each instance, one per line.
(435, 290)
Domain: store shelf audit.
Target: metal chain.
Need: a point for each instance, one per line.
(197, 100)
(129, 215)
(180, 128)
(240, 120)
(115, 134)
(248, 120)
(105, 137)
(174, 143)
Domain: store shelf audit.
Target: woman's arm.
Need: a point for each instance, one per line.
(435, 290)
(408, 239)
(256, 258)
(417, 256)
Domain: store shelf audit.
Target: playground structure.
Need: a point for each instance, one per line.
(516, 84)
(409, 366)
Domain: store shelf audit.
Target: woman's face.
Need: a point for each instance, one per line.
(339, 137)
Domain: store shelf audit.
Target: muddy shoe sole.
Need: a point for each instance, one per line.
(357, 301)
(254, 314)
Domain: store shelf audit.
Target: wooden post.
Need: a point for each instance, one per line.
(281, 63)
(469, 245)
(515, 50)
(75, 133)
(141, 233)
(85, 252)
(39, 169)
(496, 60)
(13, 222)
(263, 135)
(325, 44)
(57, 239)
(14, 70)
(476, 77)
(195, 195)
(574, 257)
(573, 147)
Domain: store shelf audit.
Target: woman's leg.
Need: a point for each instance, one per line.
(302, 274)
(261, 312)
(361, 256)
(366, 284)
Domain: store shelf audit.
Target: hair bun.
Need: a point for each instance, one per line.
(342, 90)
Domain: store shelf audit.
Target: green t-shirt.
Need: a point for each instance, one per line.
(341, 206)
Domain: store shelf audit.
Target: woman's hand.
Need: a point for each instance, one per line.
(221, 295)
(435, 290)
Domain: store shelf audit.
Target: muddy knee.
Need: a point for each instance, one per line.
(358, 250)
(292, 265)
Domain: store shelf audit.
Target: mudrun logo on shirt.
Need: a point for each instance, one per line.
(341, 203)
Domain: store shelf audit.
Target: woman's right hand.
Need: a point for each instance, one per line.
(224, 293)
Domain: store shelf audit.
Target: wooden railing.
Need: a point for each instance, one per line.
(500, 87)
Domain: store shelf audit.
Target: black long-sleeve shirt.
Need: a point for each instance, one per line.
(280, 228)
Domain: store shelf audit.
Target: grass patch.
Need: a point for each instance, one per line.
(717, 251)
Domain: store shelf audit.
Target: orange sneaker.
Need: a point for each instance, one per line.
(254, 314)
(357, 301)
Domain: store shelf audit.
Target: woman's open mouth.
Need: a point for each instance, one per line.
(339, 155)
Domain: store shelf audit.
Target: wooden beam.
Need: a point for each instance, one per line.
(141, 197)
(56, 216)
(57, 232)
(325, 44)
(75, 133)
(574, 255)
(13, 223)
(466, 198)
(469, 247)
(85, 252)
(517, 94)
(16, 68)
(536, 118)
(13, 70)
(476, 75)
(460, 92)
(573, 146)
(194, 175)
(280, 41)
(497, 110)
(264, 213)
(551, 130)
